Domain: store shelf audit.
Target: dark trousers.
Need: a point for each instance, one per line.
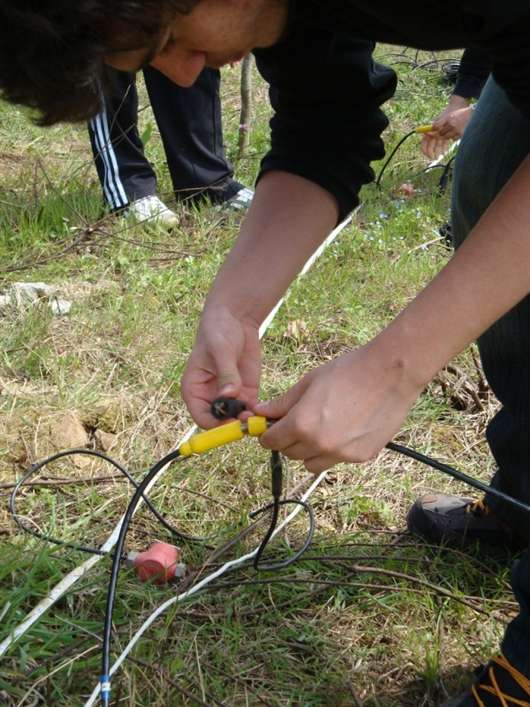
(495, 143)
(189, 120)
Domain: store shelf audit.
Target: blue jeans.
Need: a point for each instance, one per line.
(495, 143)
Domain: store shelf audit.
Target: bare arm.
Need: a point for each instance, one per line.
(289, 218)
(350, 408)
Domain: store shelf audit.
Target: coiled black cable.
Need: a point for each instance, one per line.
(34, 470)
(224, 409)
(274, 507)
(221, 409)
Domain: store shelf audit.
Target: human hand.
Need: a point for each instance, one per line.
(434, 146)
(449, 125)
(344, 411)
(452, 125)
(225, 361)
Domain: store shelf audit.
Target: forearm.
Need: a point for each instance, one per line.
(289, 218)
(488, 275)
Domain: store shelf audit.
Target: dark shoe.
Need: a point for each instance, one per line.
(460, 521)
(240, 201)
(498, 685)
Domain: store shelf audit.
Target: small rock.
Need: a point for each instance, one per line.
(21, 294)
(68, 432)
(105, 440)
(24, 292)
(60, 307)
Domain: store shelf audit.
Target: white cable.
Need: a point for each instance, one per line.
(316, 255)
(232, 565)
(439, 160)
(73, 577)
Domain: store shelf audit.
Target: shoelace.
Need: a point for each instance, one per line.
(495, 690)
(478, 507)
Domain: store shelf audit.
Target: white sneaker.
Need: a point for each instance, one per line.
(152, 209)
(241, 201)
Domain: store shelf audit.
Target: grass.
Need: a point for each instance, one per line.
(355, 621)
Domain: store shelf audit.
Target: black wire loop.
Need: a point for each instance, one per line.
(261, 565)
(274, 507)
(34, 469)
(227, 407)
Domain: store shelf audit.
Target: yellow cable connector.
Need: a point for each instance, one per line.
(423, 129)
(225, 434)
(257, 426)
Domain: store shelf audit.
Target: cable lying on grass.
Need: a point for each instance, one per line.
(69, 580)
(199, 444)
(104, 687)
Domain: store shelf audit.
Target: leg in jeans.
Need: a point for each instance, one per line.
(189, 120)
(124, 172)
(495, 143)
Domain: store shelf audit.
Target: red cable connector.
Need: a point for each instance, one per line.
(161, 563)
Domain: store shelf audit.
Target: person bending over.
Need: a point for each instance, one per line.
(327, 95)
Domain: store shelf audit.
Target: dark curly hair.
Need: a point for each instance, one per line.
(52, 51)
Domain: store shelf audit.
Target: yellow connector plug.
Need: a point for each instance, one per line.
(257, 426)
(423, 129)
(225, 434)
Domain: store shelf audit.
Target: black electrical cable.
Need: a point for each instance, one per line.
(227, 408)
(111, 592)
(459, 475)
(446, 174)
(276, 468)
(391, 157)
(277, 503)
(221, 409)
(444, 179)
(35, 468)
(450, 69)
